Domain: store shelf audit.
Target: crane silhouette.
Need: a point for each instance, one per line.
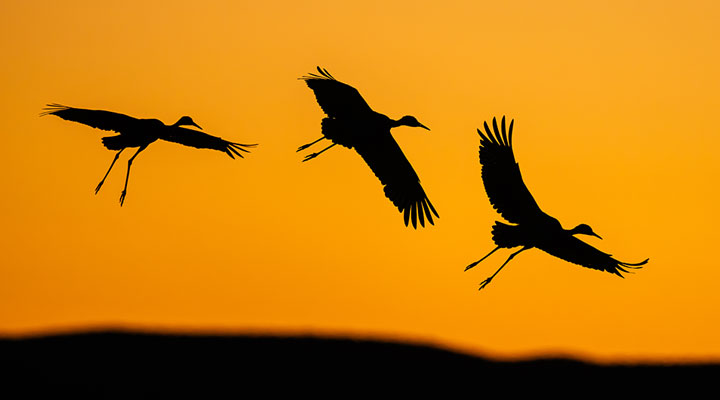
(134, 132)
(533, 228)
(352, 123)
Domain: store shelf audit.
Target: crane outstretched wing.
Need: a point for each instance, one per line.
(201, 140)
(574, 250)
(401, 183)
(501, 175)
(337, 99)
(100, 119)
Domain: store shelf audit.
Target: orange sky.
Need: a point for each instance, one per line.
(615, 109)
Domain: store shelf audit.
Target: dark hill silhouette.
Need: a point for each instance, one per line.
(117, 364)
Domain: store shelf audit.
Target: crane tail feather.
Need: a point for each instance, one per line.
(507, 236)
(118, 142)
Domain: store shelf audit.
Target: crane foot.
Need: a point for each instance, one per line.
(122, 197)
(97, 189)
(311, 156)
(485, 283)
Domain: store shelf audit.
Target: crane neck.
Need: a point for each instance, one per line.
(395, 123)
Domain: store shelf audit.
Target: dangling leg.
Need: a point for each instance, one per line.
(486, 281)
(127, 177)
(305, 146)
(478, 261)
(313, 155)
(117, 155)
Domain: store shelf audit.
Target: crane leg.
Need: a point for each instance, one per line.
(127, 177)
(487, 281)
(480, 260)
(117, 155)
(313, 155)
(305, 146)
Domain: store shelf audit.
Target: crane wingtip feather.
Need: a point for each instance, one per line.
(636, 265)
(420, 213)
(628, 268)
(510, 132)
(324, 75)
(52, 108)
(426, 210)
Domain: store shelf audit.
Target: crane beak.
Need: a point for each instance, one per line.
(196, 125)
(596, 235)
(423, 126)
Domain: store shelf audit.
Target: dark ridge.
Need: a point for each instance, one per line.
(116, 364)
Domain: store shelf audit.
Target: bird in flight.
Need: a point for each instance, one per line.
(533, 228)
(134, 132)
(353, 124)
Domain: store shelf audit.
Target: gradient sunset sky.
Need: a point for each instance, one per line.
(616, 109)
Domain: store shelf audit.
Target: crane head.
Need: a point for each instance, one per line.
(584, 229)
(409, 120)
(187, 121)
